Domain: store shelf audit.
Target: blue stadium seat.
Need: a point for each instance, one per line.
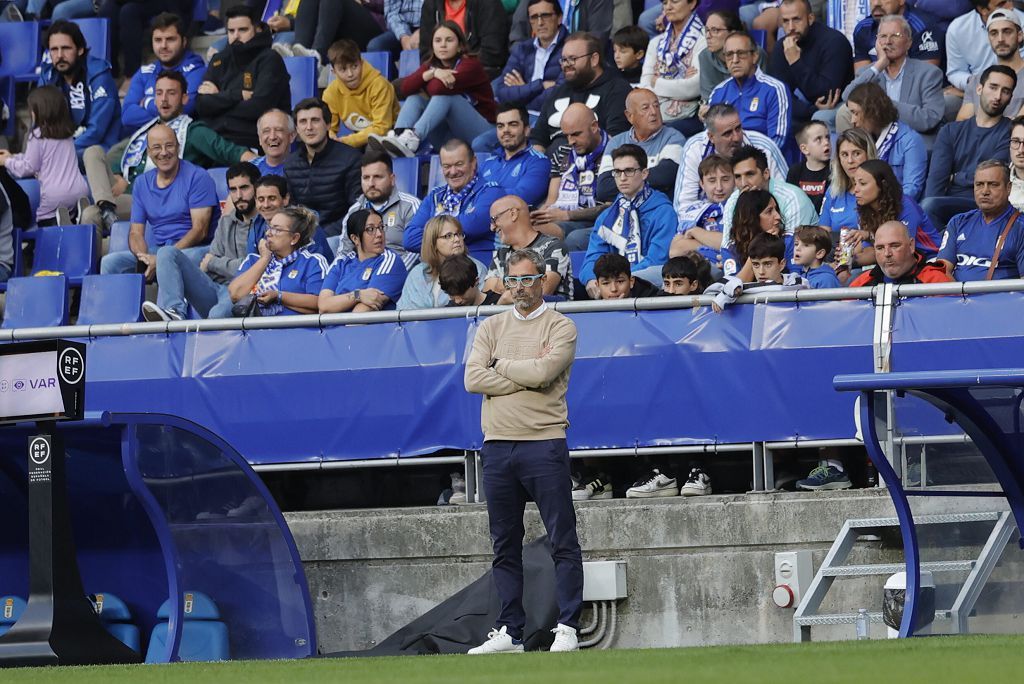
(576, 259)
(115, 616)
(220, 179)
(203, 636)
(407, 174)
(71, 250)
(434, 175)
(760, 37)
(20, 41)
(648, 4)
(408, 62)
(112, 298)
(334, 242)
(31, 188)
(381, 61)
(119, 236)
(11, 608)
(36, 302)
(271, 8)
(302, 71)
(96, 31)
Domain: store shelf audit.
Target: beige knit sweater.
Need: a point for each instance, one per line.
(524, 390)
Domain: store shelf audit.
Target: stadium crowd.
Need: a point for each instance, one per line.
(709, 145)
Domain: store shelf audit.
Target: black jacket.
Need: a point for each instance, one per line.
(486, 31)
(250, 66)
(610, 91)
(329, 186)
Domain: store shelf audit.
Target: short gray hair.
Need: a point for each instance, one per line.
(525, 255)
(716, 112)
(287, 116)
(994, 164)
(901, 20)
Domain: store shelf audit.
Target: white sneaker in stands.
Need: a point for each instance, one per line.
(656, 484)
(404, 144)
(498, 641)
(565, 639)
(697, 484)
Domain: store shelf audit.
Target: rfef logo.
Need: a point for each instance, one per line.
(71, 366)
(39, 450)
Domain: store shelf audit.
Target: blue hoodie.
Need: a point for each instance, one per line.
(139, 105)
(94, 108)
(658, 223)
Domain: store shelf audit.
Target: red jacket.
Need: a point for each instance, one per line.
(470, 80)
(922, 272)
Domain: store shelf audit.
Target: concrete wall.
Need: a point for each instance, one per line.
(700, 571)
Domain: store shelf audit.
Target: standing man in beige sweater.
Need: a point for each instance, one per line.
(520, 362)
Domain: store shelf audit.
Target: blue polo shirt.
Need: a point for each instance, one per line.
(969, 243)
(168, 210)
(526, 174)
(839, 212)
(305, 275)
(385, 272)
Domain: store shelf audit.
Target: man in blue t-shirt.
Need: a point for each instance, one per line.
(176, 199)
(369, 279)
(993, 231)
(276, 131)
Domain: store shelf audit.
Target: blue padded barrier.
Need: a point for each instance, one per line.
(203, 636)
(112, 298)
(36, 302)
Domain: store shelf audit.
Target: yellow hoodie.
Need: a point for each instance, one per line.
(371, 108)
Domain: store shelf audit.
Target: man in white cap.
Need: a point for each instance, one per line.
(1006, 39)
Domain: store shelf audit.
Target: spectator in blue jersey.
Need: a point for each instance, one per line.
(276, 131)
(639, 224)
(533, 66)
(204, 286)
(272, 196)
(465, 195)
(896, 142)
(923, 41)
(177, 200)
(811, 247)
(381, 193)
(671, 66)
(517, 168)
(370, 278)
(86, 82)
(879, 199)
(700, 222)
(724, 134)
(986, 243)
(571, 205)
(170, 47)
(663, 145)
(853, 147)
(961, 145)
(763, 102)
(510, 218)
(750, 169)
(442, 238)
(813, 60)
(283, 276)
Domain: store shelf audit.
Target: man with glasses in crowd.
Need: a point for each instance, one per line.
(534, 65)
(510, 220)
(520, 362)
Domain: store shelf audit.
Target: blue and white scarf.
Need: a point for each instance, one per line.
(886, 140)
(450, 202)
(135, 152)
(623, 231)
(270, 280)
(579, 181)
(672, 58)
(571, 16)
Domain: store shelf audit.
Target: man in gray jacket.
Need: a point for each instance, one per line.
(181, 282)
(381, 193)
(913, 85)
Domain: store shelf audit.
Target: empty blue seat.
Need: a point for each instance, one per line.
(115, 616)
(381, 61)
(203, 636)
(434, 176)
(408, 62)
(303, 74)
(119, 237)
(576, 260)
(407, 174)
(36, 302)
(20, 41)
(71, 250)
(112, 298)
(11, 608)
(31, 188)
(220, 179)
(96, 31)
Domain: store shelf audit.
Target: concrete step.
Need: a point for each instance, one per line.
(849, 618)
(892, 568)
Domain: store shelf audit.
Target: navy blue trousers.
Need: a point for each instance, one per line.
(514, 472)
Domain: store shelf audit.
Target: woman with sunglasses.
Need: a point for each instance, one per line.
(368, 279)
(442, 237)
(285, 277)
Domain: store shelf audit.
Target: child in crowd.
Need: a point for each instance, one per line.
(813, 173)
(689, 274)
(460, 280)
(767, 254)
(811, 248)
(616, 281)
(360, 98)
(629, 45)
(50, 156)
(700, 223)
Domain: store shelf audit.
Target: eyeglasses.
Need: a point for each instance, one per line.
(271, 230)
(714, 30)
(494, 219)
(371, 230)
(525, 281)
(1015, 143)
(889, 36)
(625, 173)
(543, 16)
(452, 237)
(567, 60)
(737, 54)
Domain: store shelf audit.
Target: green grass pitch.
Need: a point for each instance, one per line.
(984, 659)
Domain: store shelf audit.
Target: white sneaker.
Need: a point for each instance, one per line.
(300, 50)
(499, 641)
(597, 488)
(154, 314)
(565, 639)
(404, 144)
(283, 49)
(697, 484)
(653, 485)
